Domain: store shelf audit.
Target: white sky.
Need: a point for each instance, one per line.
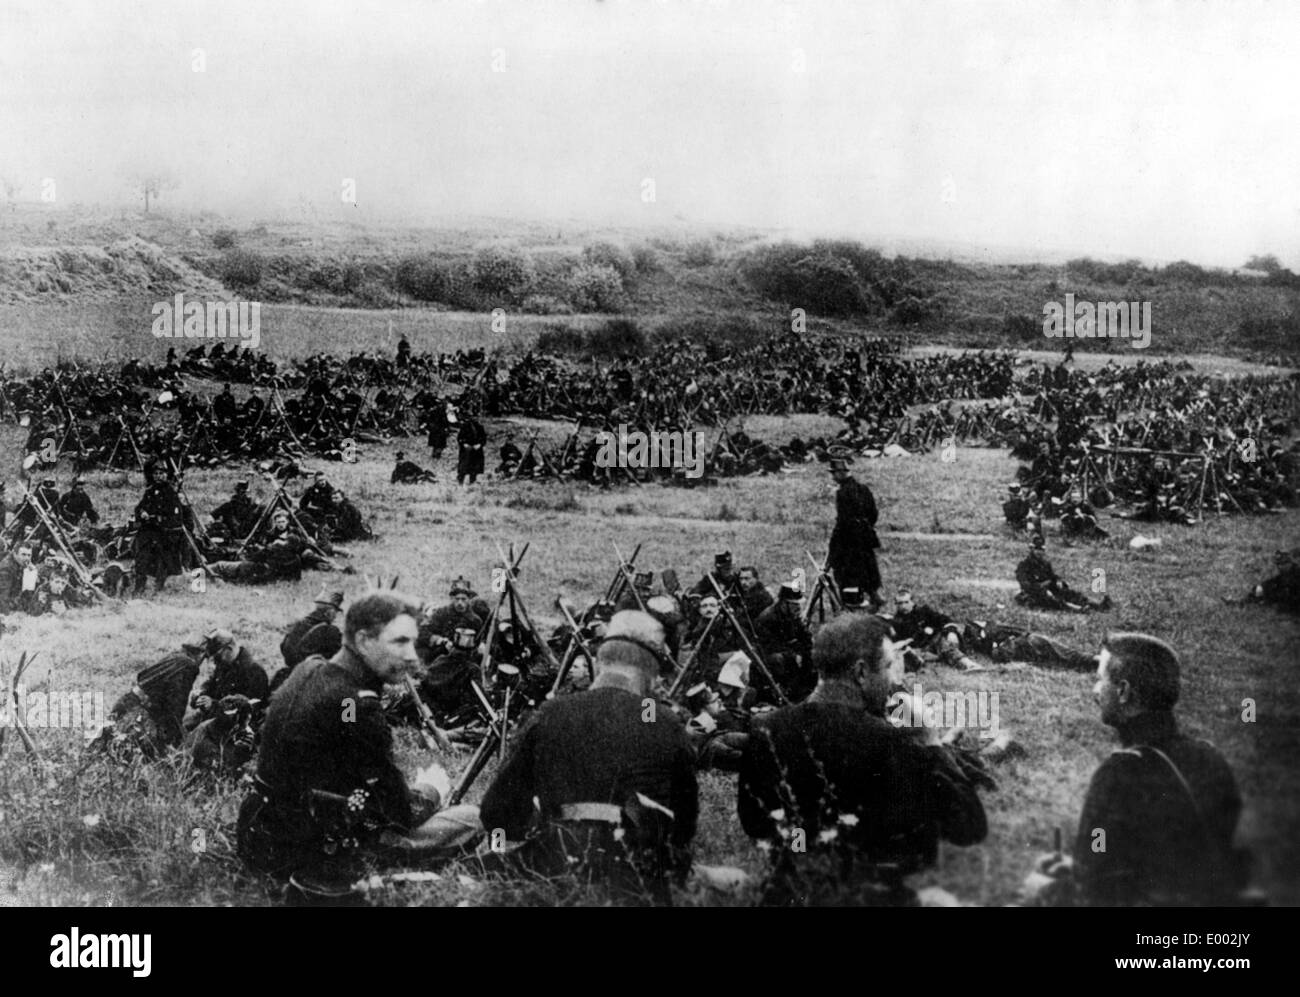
(1156, 129)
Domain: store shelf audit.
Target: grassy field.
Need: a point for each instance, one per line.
(103, 836)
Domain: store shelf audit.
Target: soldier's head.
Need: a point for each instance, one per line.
(23, 554)
(839, 470)
(748, 578)
(461, 594)
(789, 600)
(380, 629)
(903, 602)
(331, 602)
(709, 606)
(78, 484)
(702, 699)
(723, 567)
(58, 583)
(1037, 545)
(280, 520)
(634, 651)
(857, 648)
(222, 645)
(1136, 674)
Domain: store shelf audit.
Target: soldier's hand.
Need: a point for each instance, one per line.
(203, 703)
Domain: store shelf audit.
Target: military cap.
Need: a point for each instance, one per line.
(698, 696)
(852, 597)
(328, 598)
(48, 480)
(838, 464)
(217, 637)
(644, 578)
(80, 479)
(790, 594)
(1014, 486)
(461, 586)
(241, 486)
(1037, 542)
(401, 455)
(723, 560)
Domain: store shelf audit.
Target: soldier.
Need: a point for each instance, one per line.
(596, 790)
(786, 645)
(853, 540)
(224, 406)
(850, 803)
(150, 717)
(642, 585)
(1079, 519)
(328, 796)
(225, 742)
(315, 633)
(159, 538)
(723, 573)
(278, 556)
(718, 732)
(76, 505)
(928, 630)
(1015, 509)
(721, 641)
(317, 500)
(447, 641)
(753, 596)
(470, 440)
(1042, 589)
(17, 576)
(237, 516)
(406, 472)
(56, 594)
(439, 427)
(1164, 806)
(438, 627)
(234, 673)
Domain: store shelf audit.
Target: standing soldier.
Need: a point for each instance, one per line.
(159, 539)
(470, 442)
(853, 540)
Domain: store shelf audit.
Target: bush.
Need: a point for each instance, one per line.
(913, 310)
(424, 278)
(1022, 328)
(545, 304)
(645, 258)
(225, 238)
(502, 272)
(559, 339)
(829, 286)
(241, 268)
(611, 255)
(717, 334)
(699, 253)
(594, 287)
(618, 337)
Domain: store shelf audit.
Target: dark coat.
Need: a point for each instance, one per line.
(1161, 848)
(470, 440)
(853, 540)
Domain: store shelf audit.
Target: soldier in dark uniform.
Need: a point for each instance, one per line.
(752, 597)
(317, 501)
(406, 472)
(76, 505)
(315, 633)
(786, 645)
(12, 568)
(718, 733)
(1282, 589)
(438, 428)
(225, 742)
(328, 795)
(237, 516)
(470, 441)
(1042, 589)
(446, 644)
(234, 673)
(159, 538)
(928, 630)
(278, 556)
(853, 540)
(1163, 807)
(1016, 508)
(149, 718)
(224, 406)
(403, 353)
(723, 573)
(594, 789)
(850, 803)
(712, 637)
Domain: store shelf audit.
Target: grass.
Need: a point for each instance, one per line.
(140, 850)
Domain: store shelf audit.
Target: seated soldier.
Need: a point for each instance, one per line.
(712, 638)
(785, 643)
(1282, 589)
(723, 573)
(448, 643)
(928, 630)
(225, 742)
(235, 673)
(848, 804)
(317, 500)
(148, 719)
(438, 626)
(1079, 519)
(718, 733)
(75, 505)
(314, 633)
(329, 801)
(1164, 806)
(237, 516)
(278, 555)
(752, 598)
(1042, 589)
(57, 593)
(1015, 509)
(406, 472)
(593, 790)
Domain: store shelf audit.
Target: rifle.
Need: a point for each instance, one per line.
(433, 736)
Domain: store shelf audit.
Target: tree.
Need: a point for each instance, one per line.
(152, 185)
(1268, 264)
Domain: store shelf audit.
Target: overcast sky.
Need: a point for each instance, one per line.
(1157, 129)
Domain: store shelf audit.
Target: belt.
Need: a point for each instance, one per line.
(605, 813)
